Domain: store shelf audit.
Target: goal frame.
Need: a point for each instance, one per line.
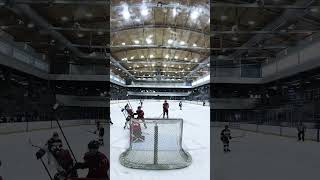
(155, 165)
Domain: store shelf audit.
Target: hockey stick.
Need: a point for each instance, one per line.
(46, 168)
(30, 142)
(44, 165)
(65, 138)
(129, 103)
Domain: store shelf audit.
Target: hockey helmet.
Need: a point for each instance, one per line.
(139, 107)
(55, 134)
(93, 144)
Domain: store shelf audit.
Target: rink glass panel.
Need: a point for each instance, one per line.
(161, 147)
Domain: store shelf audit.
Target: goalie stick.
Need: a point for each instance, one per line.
(42, 162)
(30, 142)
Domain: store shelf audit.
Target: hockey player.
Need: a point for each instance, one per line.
(140, 114)
(165, 107)
(129, 112)
(225, 136)
(97, 163)
(180, 105)
(54, 144)
(301, 131)
(100, 131)
(0, 166)
(61, 157)
(136, 132)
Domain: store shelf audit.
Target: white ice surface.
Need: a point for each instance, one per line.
(264, 157)
(18, 157)
(196, 140)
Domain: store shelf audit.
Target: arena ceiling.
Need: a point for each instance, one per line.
(76, 31)
(250, 32)
(258, 31)
(161, 40)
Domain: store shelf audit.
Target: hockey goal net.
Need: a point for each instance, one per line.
(159, 146)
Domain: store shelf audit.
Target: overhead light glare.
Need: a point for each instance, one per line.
(125, 11)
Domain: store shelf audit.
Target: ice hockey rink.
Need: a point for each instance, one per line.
(196, 141)
(18, 156)
(264, 157)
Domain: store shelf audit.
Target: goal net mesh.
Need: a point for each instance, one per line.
(159, 146)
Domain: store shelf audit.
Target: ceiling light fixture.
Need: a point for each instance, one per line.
(174, 12)
(235, 38)
(148, 40)
(314, 10)
(30, 25)
(251, 23)
(144, 9)
(223, 18)
(64, 18)
(88, 15)
(195, 13)
(80, 35)
(125, 11)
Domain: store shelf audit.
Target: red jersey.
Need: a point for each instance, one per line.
(130, 112)
(140, 114)
(64, 159)
(135, 127)
(98, 165)
(165, 106)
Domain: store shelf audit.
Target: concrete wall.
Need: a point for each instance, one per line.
(311, 133)
(233, 103)
(299, 59)
(83, 101)
(6, 128)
